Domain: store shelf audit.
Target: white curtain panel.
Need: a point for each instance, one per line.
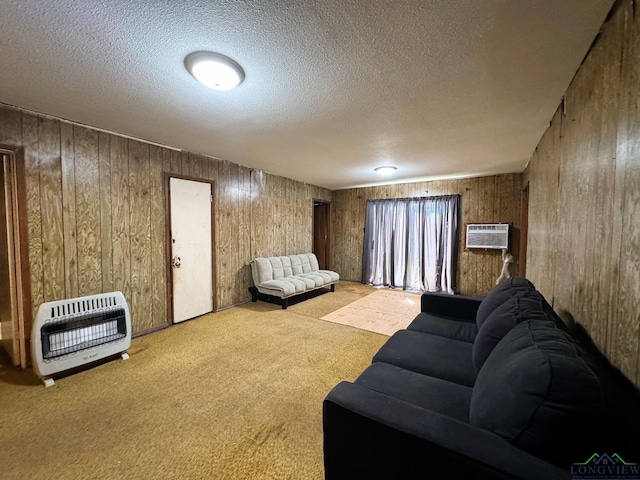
(411, 243)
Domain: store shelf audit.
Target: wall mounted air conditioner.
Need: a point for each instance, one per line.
(488, 235)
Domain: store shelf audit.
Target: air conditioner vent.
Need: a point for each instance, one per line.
(488, 235)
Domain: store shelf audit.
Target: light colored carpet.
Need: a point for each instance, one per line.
(231, 395)
(383, 311)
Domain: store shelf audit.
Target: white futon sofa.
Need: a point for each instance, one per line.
(286, 276)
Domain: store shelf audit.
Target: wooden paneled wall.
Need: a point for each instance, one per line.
(483, 199)
(584, 217)
(96, 214)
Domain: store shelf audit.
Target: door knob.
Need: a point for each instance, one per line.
(175, 262)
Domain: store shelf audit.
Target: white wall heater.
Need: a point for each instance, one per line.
(488, 235)
(70, 333)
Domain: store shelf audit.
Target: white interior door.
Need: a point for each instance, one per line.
(191, 248)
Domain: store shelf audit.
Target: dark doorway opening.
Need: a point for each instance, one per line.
(322, 233)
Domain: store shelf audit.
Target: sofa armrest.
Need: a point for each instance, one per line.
(462, 307)
(368, 434)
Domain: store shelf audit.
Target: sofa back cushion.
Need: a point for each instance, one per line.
(262, 270)
(296, 264)
(527, 306)
(505, 290)
(270, 268)
(305, 263)
(537, 391)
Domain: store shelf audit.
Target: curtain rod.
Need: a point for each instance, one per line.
(434, 197)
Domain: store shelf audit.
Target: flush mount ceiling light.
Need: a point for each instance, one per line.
(214, 70)
(385, 171)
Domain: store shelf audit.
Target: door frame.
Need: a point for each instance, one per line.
(329, 211)
(524, 230)
(21, 275)
(167, 243)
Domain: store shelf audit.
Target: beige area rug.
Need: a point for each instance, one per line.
(383, 311)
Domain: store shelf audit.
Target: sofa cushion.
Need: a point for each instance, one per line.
(432, 393)
(310, 283)
(313, 261)
(444, 326)
(318, 280)
(285, 287)
(297, 264)
(262, 270)
(461, 307)
(505, 290)
(537, 391)
(431, 355)
(333, 276)
(526, 306)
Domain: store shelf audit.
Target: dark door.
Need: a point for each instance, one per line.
(321, 237)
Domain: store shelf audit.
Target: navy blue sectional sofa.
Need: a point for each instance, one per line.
(493, 387)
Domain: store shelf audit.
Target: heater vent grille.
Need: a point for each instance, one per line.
(63, 336)
(82, 305)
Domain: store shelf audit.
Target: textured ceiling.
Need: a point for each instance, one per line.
(438, 88)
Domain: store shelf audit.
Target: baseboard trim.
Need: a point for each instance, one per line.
(148, 331)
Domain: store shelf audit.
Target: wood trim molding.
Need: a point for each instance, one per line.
(23, 275)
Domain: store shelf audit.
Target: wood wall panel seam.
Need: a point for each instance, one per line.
(158, 230)
(51, 207)
(87, 211)
(106, 213)
(140, 234)
(34, 213)
(68, 194)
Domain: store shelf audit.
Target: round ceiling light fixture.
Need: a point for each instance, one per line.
(214, 70)
(385, 171)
